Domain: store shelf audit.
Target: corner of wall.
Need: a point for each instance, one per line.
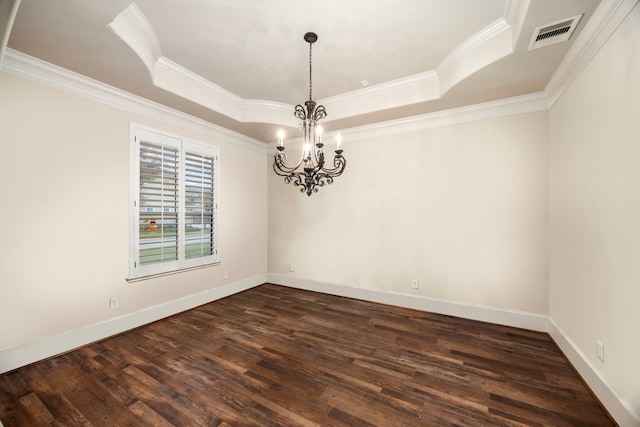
(617, 407)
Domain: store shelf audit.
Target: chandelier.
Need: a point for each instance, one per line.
(311, 171)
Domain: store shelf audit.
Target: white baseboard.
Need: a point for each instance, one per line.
(515, 318)
(618, 407)
(23, 355)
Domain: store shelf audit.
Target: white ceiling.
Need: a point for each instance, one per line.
(243, 64)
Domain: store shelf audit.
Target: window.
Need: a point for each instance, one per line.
(173, 204)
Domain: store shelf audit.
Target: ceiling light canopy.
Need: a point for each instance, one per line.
(311, 171)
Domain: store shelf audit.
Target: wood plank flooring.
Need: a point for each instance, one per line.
(275, 356)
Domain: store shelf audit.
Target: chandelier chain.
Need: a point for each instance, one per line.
(310, 81)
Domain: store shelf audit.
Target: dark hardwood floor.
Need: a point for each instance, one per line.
(275, 356)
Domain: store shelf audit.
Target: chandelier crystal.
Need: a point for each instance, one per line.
(311, 172)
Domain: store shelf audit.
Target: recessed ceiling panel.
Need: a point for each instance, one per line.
(255, 51)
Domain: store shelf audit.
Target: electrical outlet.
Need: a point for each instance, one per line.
(415, 283)
(226, 274)
(114, 302)
(600, 351)
(290, 268)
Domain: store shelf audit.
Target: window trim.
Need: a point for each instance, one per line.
(136, 271)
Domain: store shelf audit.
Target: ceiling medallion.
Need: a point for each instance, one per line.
(310, 173)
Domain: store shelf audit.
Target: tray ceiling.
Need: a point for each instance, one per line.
(243, 64)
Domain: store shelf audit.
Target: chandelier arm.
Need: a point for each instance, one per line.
(319, 113)
(300, 112)
(295, 179)
(279, 164)
(282, 172)
(324, 179)
(339, 163)
(298, 179)
(319, 157)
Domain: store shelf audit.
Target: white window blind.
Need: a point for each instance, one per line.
(174, 201)
(158, 203)
(199, 205)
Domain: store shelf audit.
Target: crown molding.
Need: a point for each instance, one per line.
(484, 111)
(8, 12)
(181, 81)
(30, 68)
(606, 18)
(133, 27)
(485, 47)
(490, 44)
(515, 12)
(413, 89)
(34, 69)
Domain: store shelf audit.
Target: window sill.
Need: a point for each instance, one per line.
(133, 279)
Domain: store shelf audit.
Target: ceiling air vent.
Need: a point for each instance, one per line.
(556, 32)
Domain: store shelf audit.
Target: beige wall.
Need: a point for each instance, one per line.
(461, 208)
(594, 251)
(65, 189)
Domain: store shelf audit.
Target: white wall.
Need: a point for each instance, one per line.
(594, 233)
(64, 246)
(461, 208)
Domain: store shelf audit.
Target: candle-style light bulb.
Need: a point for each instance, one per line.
(338, 142)
(281, 137)
(319, 133)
